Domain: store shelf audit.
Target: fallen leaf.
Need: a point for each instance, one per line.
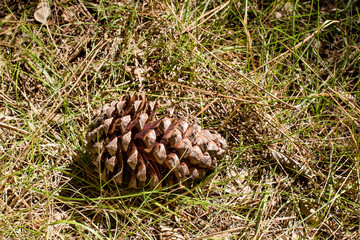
(278, 15)
(310, 211)
(42, 12)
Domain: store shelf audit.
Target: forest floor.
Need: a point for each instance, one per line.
(278, 79)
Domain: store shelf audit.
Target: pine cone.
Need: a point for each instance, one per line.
(128, 145)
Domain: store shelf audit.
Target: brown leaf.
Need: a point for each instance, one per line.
(42, 12)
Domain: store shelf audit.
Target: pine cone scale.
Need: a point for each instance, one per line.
(160, 153)
(124, 122)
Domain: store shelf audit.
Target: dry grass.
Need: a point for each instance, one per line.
(279, 80)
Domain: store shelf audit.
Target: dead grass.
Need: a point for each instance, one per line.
(279, 80)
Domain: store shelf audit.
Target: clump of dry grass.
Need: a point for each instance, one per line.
(279, 80)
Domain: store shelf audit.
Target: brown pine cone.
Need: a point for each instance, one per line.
(128, 145)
